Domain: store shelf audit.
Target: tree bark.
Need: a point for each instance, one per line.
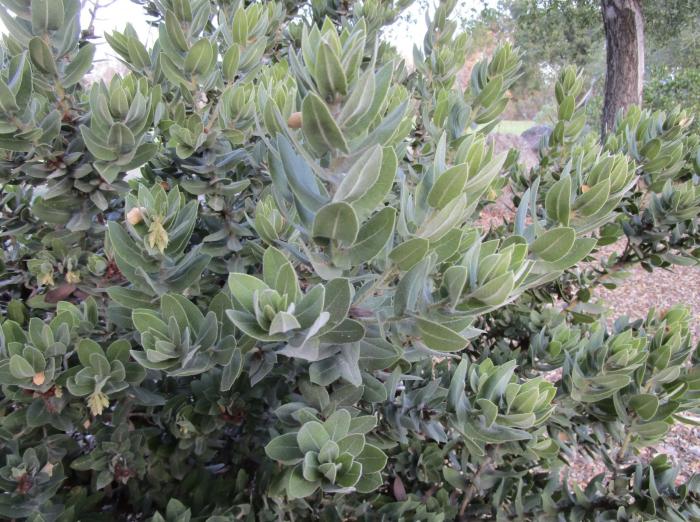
(624, 38)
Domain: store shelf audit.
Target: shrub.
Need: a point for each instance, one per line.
(668, 87)
(290, 312)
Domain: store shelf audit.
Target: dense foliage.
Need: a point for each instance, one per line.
(669, 86)
(247, 281)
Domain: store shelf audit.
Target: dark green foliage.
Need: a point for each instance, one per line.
(244, 280)
(667, 86)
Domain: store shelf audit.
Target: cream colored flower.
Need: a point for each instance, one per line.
(72, 277)
(46, 279)
(97, 402)
(157, 236)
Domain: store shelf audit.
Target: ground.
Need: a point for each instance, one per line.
(639, 292)
(513, 126)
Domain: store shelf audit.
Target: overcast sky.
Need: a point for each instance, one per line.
(121, 12)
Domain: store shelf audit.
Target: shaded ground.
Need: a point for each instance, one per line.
(638, 293)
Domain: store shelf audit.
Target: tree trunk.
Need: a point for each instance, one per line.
(624, 37)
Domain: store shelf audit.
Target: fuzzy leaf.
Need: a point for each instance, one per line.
(439, 337)
(337, 222)
(312, 436)
(319, 127)
(554, 244)
(285, 449)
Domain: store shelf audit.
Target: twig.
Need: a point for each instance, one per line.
(96, 6)
(471, 491)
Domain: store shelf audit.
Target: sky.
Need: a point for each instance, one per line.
(118, 14)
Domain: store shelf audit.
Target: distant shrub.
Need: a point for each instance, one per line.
(667, 88)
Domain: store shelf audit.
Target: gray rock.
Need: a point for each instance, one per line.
(505, 142)
(534, 135)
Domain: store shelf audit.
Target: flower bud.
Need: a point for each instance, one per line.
(96, 265)
(135, 216)
(294, 120)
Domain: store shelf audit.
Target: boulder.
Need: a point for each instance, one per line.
(505, 142)
(534, 135)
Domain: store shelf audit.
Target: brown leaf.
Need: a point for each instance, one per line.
(399, 489)
(59, 293)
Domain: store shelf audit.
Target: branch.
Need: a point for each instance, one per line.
(96, 6)
(486, 465)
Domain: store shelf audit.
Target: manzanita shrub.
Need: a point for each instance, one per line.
(247, 280)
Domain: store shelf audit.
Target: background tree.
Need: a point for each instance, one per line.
(624, 42)
(552, 33)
